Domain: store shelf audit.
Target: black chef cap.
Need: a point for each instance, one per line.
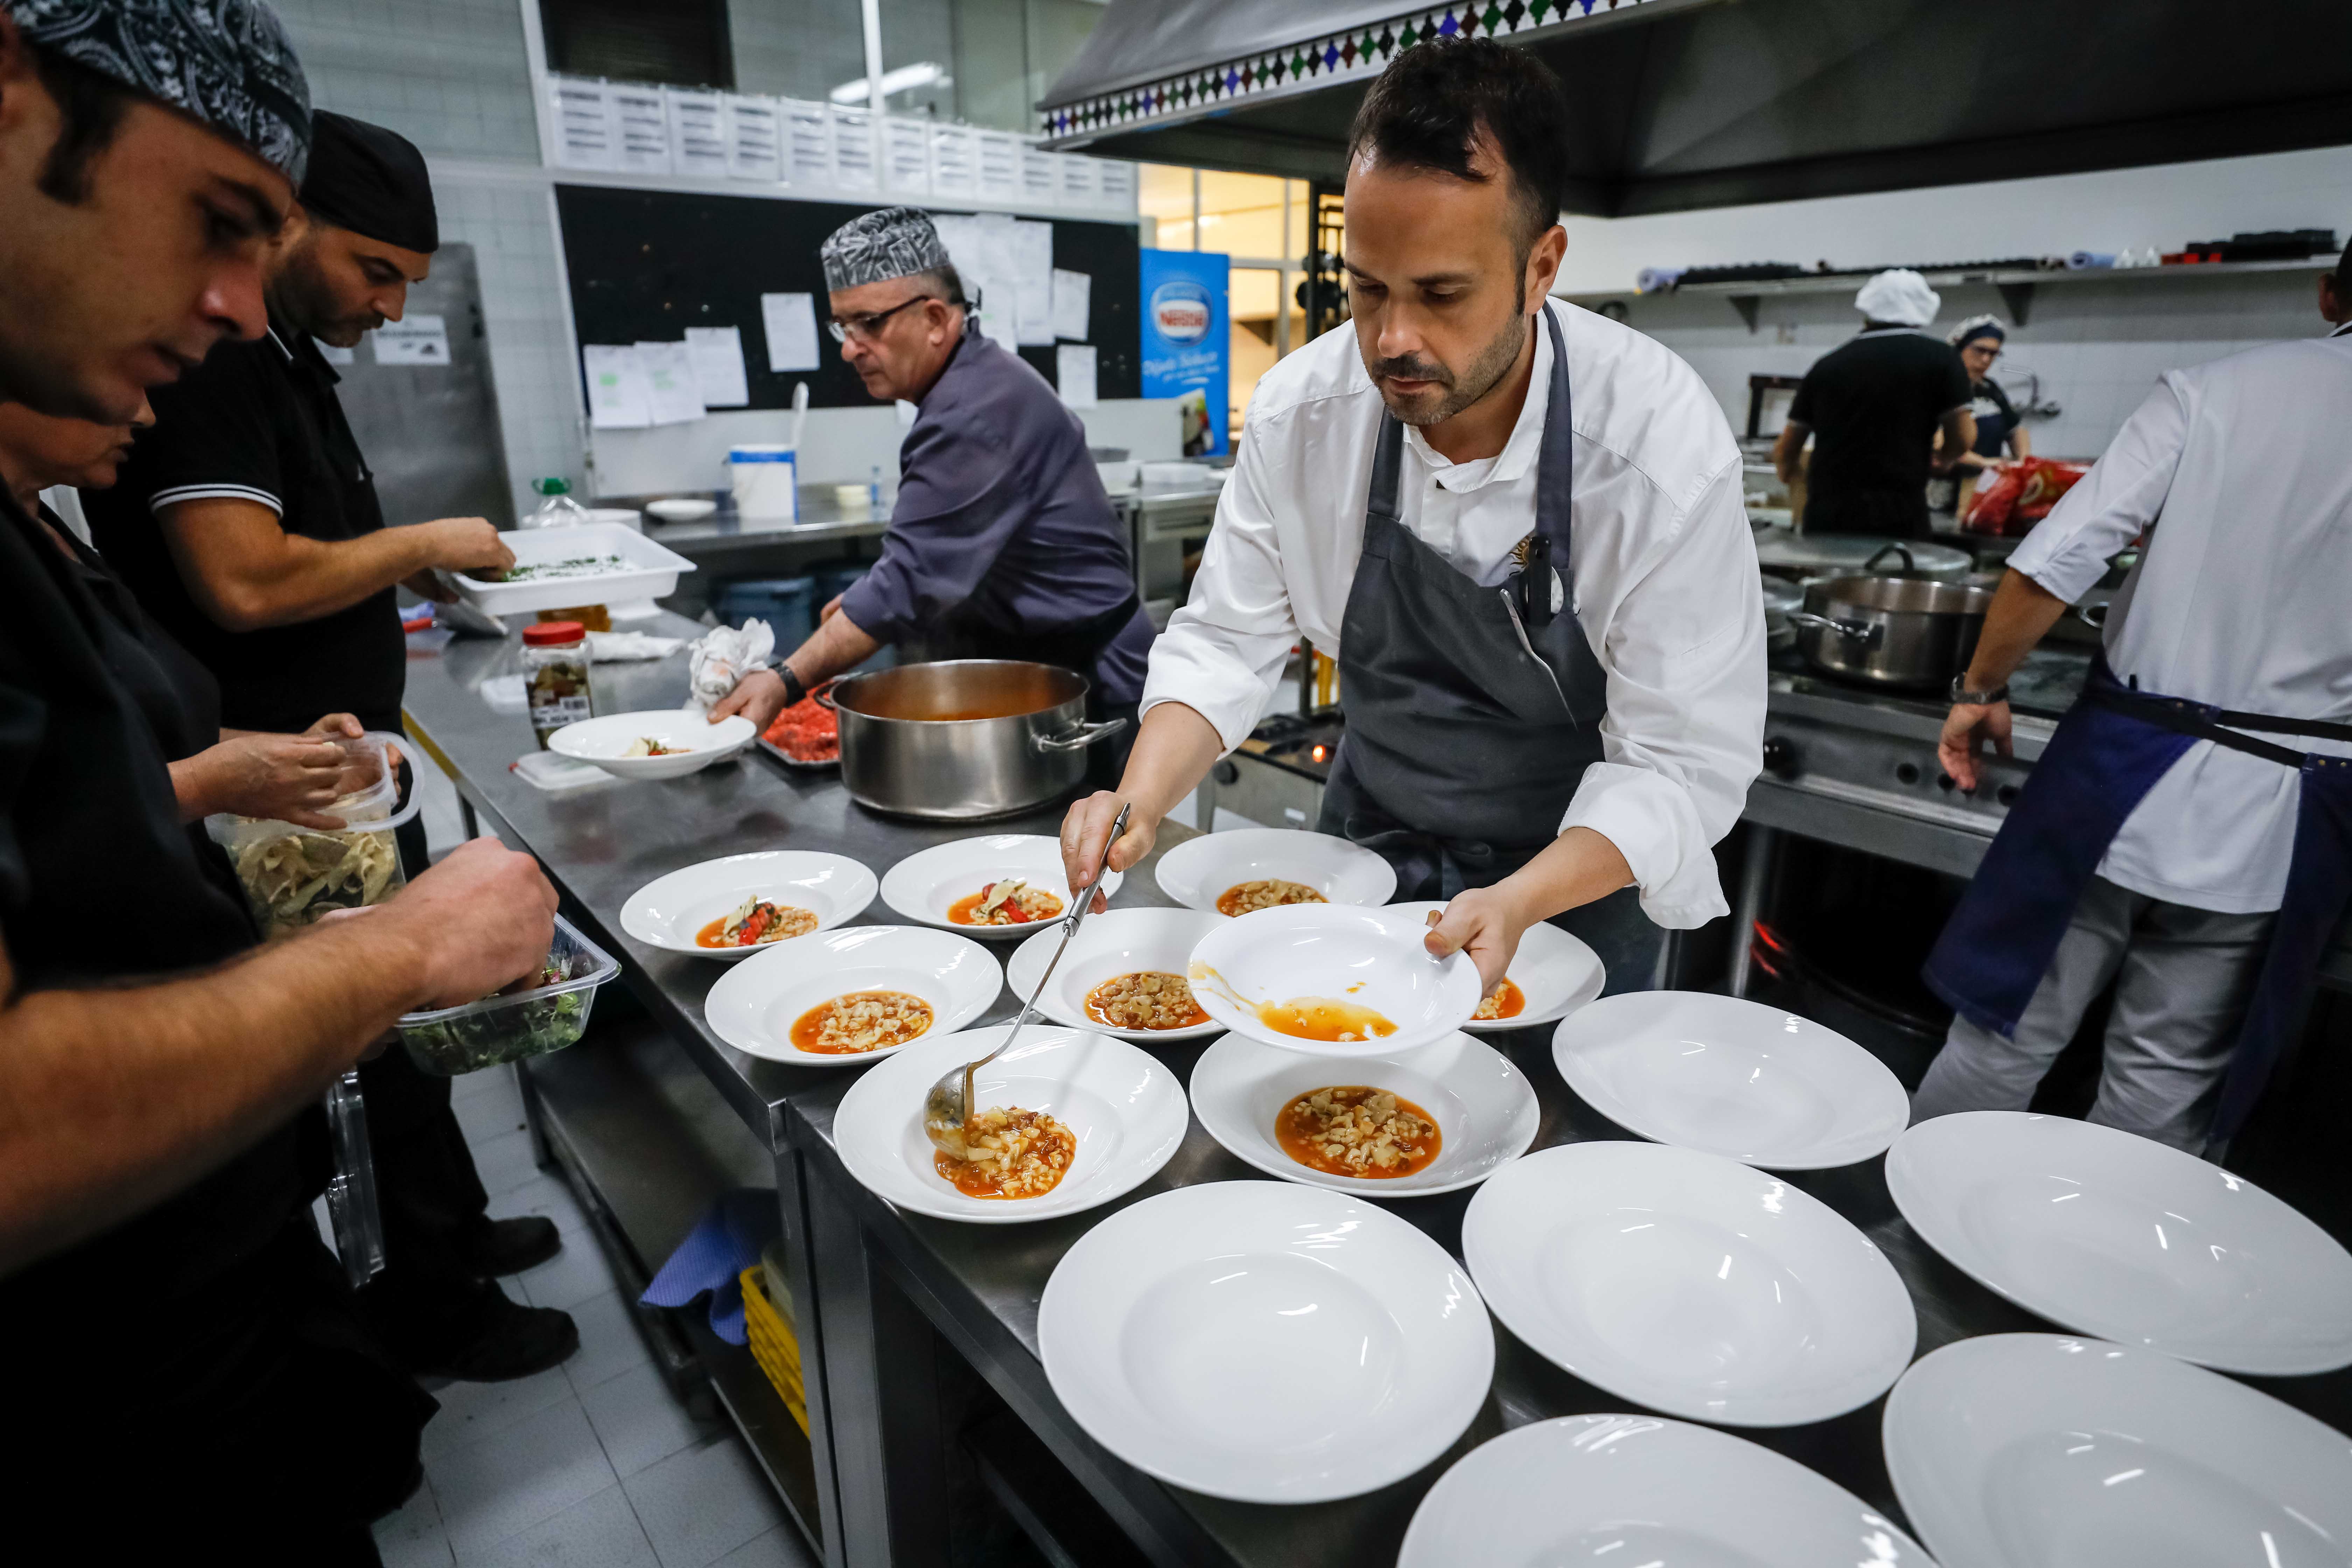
(370, 181)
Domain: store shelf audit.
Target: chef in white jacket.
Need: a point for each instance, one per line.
(1521, 529)
(2187, 832)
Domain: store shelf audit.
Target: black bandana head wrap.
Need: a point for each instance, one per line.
(370, 181)
(224, 62)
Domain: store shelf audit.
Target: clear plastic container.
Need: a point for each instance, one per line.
(294, 876)
(559, 509)
(514, 1024)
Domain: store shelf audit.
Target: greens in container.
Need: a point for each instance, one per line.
(540, 1013)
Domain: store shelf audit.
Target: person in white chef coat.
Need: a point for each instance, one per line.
(1519, 528)
(2187, 832)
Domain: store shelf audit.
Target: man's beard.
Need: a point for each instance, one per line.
(1494, 362)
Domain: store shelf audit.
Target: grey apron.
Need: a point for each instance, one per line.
(1472, 713)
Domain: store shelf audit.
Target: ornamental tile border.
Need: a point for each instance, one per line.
(1333, 57)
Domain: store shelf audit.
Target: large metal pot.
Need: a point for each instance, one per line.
(963, 738)
(1890, 631)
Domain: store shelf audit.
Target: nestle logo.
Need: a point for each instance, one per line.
(1180, 312)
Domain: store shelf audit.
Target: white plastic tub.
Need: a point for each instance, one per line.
(647, 570)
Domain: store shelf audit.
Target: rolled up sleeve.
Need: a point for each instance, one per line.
(1683, 736)
(2068, 552)
(1222, 653)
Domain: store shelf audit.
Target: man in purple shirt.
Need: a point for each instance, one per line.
(1002, 545)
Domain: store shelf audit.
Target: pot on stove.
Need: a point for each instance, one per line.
(965, 739)
(1903, 632)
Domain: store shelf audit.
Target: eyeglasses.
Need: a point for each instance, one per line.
(868, 328)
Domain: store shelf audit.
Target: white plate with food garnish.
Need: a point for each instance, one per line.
(1332, 980)
(1689, 1283)
(732, 907)
(842, 998)
(1265, 1342)
(658, 743)
(1253, 868)
(1581, 1489)
(1124, 974)
(1552, 976)
(1066, 1119)
(997, 886)
(1446, 1116)
(1755, 1084)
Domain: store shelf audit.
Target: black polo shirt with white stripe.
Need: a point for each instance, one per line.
(259, 422)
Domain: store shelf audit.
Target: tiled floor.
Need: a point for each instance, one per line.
(593, 1465)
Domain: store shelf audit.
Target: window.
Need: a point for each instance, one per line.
(682, 42)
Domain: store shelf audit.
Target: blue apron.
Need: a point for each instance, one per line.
(2106, 754)
(1472, 713)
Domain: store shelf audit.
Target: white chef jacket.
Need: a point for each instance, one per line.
(2239, 599)
(1661, 560)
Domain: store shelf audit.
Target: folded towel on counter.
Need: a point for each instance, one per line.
(613, 647)
(723, 655)
(711, 1259)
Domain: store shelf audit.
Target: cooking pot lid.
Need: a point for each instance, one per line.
(1781, 552)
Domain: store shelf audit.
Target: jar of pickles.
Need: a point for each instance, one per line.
(555, 675)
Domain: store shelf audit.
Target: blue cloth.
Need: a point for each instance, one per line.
(1001, 521)
(722, 1244)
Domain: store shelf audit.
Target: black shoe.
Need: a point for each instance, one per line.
(498, 1247)
(496, 1339)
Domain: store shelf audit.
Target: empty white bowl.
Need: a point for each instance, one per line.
(1125, 1108)
(1485, 1108)
(2112, 1235)
(1349, 957)
(925, 884)
(1112, 943)
(1265, 1342)
(1199, 871)
(755, 1003)
(1688, 1283)
(679, 509)
(699, 743)
(1556, 972)
(2051, 1451)
(1752, 1083)
(669, 912)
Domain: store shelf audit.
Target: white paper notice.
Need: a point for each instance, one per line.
(718, 355)
(1073, 294)
(585, 134)
(672, 396)
(698, 132)
(419, 339)
(906, 157)
(807, 144)
(754, 139)
(1033, 276)
(1000, 165)
(619, 398)
(1074, 372)
(642, 116)
(852, 148)
(790, 323)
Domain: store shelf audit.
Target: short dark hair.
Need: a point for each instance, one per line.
(90, 108)
(1436, 100)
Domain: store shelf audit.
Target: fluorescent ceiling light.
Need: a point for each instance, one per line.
(906, 79)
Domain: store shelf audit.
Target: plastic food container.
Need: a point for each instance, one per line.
(294, 876)
(607, 565)
(513, 1024)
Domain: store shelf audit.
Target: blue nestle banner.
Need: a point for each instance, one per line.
(1187, 340)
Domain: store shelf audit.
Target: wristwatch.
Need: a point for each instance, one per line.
(1961, 694)
(796, 691)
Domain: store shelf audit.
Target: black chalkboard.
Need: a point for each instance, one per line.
(649, 263)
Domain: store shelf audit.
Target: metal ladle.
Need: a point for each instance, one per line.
(945, 1105)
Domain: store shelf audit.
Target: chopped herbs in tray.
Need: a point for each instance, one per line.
(547, 571)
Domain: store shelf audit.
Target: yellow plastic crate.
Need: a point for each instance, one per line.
(774, 1345)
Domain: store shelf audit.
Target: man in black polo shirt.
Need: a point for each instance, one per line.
(247, 523)
(159, 1275)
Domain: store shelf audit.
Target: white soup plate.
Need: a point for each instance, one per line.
(1689, 1283)
(2050, 1451)
(1485, 1108)
(1112, 943)
(756, 1002)
(669, 912)
(1634, 1489)
(1556, 972)
(1333, 952)
(1126, 1110)
(2110, 1234)
(923, 885)
(1733, 1078)
(1199, 871)
(699, 743)
(1265, 1342)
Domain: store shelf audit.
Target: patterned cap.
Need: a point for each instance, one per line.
(896, 242)
(224, 62)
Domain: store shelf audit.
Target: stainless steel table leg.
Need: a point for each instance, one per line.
(802, 1265)
(1754, 868)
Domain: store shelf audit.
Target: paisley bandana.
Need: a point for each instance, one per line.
(224, 62)
(896, 242)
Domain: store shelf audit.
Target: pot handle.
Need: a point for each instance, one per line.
(1079, 738)
(2092, 615)
(1894, 547)
(821, 695)
(1869, 634)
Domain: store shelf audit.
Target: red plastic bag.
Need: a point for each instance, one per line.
(2048, 481)
(1995, 501)
(2011, 499)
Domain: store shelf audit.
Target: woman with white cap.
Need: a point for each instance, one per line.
(1873, 407)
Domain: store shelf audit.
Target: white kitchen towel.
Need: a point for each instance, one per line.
(723, 655)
